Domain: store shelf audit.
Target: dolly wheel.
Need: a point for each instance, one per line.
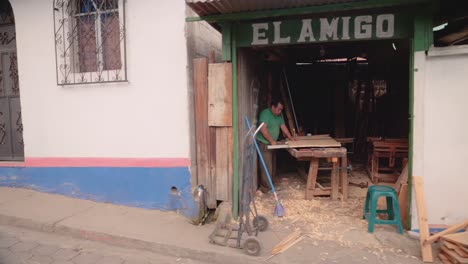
(252, 246)
(261, 223)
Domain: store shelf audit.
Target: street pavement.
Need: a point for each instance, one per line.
(22, 246)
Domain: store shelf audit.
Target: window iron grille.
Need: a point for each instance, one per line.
(90, 41)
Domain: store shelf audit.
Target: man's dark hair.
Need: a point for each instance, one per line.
(275, 102)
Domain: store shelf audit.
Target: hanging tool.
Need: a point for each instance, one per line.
(279, 209)
(290, 99)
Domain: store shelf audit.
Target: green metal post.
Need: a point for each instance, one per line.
(235, 121)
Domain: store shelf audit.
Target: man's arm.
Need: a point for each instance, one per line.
(266, 134)
(285, 130)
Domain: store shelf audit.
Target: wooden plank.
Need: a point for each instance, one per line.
(278, 248)
(444, 258)
(458, 238)
(426, 249)
(202, 130)
(212, 200)
(200, 74)
(316, 143)
(319, 143)
(318, 152)
(221, 170)
(224, 169)
(220, 94)
(317, 138)
(278, 146)
(403, 201)
(319, 192)
(334, 181)
(450, 230)
(344, 177)
(313, 137)
(345, 140)
(311, 178)
(458, 249)
(453, 256)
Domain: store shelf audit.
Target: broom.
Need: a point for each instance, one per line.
(279, 209)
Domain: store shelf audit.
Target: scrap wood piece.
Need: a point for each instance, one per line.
(459, 250)
(453, 256)
(322, 136)
(426, 249)
(285, 242)
(444, 258)
(319, 143)
(320, 186)
(461, 239)
(447, 231)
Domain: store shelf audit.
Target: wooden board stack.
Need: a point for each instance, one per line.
(454, 248)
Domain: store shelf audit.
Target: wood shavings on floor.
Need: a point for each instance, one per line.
(322, 218)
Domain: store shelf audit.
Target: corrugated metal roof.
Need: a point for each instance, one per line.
(216, 7)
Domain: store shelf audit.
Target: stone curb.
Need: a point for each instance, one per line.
(125, 242)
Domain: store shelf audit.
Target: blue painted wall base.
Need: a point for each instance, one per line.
(148, 188)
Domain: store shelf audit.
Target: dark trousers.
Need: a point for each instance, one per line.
(269, 156)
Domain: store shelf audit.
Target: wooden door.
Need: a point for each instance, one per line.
(213, 128)
(11, 125)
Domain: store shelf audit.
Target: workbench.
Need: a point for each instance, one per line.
(389, 149)
(339, 174)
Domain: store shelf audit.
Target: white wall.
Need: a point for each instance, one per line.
(445, 166)
(146, 117)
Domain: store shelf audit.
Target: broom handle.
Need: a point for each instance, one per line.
(261, 158)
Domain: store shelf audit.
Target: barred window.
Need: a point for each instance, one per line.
(89, 41)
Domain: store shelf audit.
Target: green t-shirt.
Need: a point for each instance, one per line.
(273, 122)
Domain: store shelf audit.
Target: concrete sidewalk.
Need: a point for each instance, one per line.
(164, 232)
(161, 232)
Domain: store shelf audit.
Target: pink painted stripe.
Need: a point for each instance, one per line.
(12, 164)
(101, 162)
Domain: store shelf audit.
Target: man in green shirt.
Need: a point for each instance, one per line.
(270, 132)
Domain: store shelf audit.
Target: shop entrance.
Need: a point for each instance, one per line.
(356, 92)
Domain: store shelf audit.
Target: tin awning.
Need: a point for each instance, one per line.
(219, 7)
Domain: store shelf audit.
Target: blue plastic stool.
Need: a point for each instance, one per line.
(393, 207)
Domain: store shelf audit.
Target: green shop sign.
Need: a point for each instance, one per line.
(324, 29)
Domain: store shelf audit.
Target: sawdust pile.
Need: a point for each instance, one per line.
(320, 217)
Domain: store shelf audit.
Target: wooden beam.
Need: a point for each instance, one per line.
(220, 94)
(447, 231)
(202, 130)
(334, 179)
(311, 178)
(403, 201)
(223, 170)
(344, 177)
(426, 249)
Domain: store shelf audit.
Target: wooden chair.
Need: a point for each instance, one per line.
(390, 149)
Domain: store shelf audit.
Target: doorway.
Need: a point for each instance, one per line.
(11, 125)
